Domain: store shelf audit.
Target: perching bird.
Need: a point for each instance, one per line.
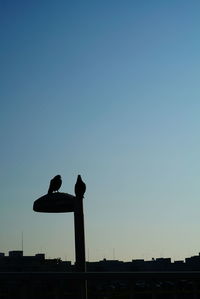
(80, 187)
(55, 184)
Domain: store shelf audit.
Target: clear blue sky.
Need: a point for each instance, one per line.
(110, 90)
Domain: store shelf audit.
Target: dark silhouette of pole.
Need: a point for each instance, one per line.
(80, 243)
(79, 235)
(80, 188)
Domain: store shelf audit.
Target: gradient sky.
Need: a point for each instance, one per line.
(111, 90)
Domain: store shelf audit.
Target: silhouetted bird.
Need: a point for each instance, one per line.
(80, 187)
(55, 184)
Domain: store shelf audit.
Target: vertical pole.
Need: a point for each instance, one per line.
(80, 243)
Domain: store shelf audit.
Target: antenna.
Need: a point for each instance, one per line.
(113, 253)
(22, 242)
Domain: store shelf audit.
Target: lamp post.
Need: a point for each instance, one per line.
(60, 202)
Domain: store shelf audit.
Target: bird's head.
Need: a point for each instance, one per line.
(57, 177)
(79, 178)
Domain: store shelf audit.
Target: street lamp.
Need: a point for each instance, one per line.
(59, 202)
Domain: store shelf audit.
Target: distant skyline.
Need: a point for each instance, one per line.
(20, 253)
(109, 90)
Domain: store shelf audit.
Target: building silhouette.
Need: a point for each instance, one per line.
(37, 277)
(17, 262)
